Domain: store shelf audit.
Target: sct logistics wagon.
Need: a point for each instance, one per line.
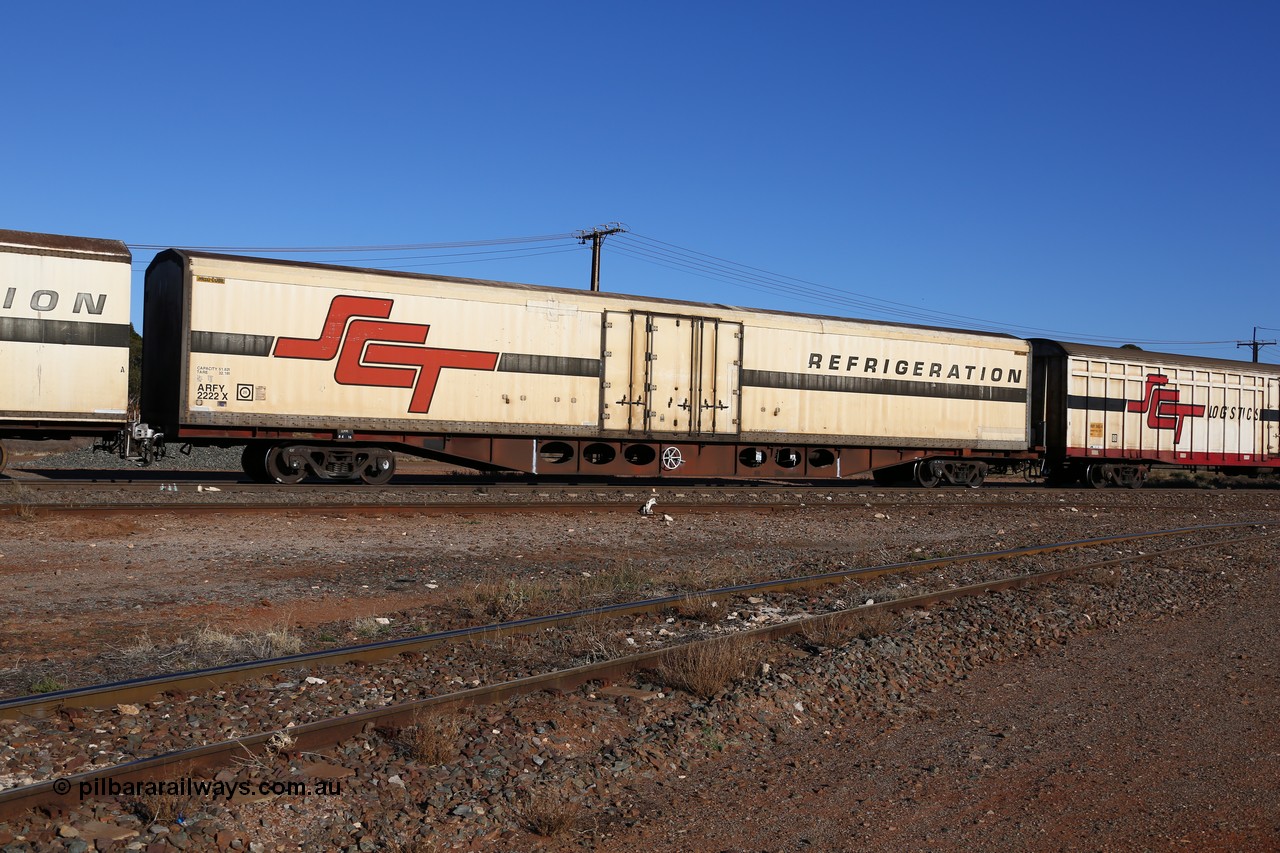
(327, 370)
(1105, 415)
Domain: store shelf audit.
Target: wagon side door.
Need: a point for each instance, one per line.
(671, 393)
(666, 373)
(718, 365)
(622, 392)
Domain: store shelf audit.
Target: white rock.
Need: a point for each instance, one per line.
(311, 679)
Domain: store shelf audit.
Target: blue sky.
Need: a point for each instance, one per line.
(1101, 171)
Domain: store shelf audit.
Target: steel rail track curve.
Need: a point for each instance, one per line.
(142, 689)
(321, 734)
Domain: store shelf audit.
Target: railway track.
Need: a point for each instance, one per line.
(316, 734)
(28, 498)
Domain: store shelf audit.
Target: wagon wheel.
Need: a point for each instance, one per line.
(977, 475)
(280, 471)
(4, 457)
(926, 474)
(379, 470)
(1096, 476)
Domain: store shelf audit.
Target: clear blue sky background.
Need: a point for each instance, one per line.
(1107, 171)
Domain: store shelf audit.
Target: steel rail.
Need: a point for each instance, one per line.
(510, 493)
(143, 689)
(321, 734)
(606, 503)
(477, 508)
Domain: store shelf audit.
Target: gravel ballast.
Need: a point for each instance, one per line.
(1112, 712)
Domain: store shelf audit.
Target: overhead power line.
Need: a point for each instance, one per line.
(709, 266)
(687, 261)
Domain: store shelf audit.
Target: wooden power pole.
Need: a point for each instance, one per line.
(1255, 344)
(596, 236)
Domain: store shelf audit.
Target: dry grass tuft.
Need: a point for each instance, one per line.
(700, 607)
(714, 573)
(622, 581)
(24, 505)
(213, 646)
(590, 640)
(704, 669)
(432, 740)
(367, 627)
(504, 600)
(207, 647)
(839, 629)
(162, 808)
(548, 812)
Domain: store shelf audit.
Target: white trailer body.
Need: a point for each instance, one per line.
(64, 334)
(269, 344)
(241, 349)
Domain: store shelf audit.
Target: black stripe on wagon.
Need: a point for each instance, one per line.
(75, 332)
(1269, 415)
(228, 343)
(868, 385)
(514, 362)
(1097, 404)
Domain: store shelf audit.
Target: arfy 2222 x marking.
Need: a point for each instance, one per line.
(372, 351)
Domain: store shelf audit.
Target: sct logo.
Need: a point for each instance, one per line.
(244, 393)
(373, 353)
(1162, 406)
